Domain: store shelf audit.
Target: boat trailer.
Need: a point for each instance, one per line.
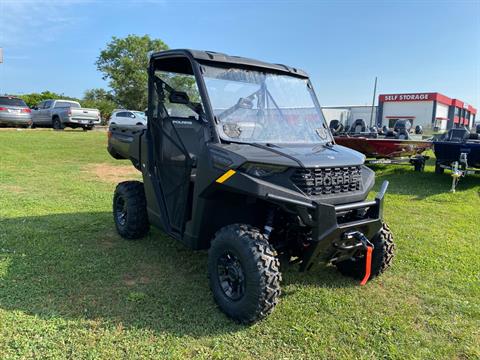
(459, 169)
(418, 161)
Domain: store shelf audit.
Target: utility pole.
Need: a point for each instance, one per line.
(373, 101)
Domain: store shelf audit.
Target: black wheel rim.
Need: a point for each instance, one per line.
(230, 276)
(121, 211)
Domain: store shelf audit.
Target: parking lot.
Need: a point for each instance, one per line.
(71, 287)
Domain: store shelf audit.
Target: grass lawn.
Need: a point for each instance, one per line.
(70, 287)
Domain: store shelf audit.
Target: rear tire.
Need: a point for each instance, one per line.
(383, 253)
(130, 210)
(244, 273)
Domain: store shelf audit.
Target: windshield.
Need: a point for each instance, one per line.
(258, 107)
(140, 114)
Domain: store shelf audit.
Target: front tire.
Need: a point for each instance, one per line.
(244, 273)
(383, 253)
(130, 210)
(57, 124)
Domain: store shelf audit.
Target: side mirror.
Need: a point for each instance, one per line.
(132, 116)
(34, 107)
(179, 97)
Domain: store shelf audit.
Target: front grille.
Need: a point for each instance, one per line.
(326, 181)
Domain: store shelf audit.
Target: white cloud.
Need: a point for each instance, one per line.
(28, 22)
(37, 22)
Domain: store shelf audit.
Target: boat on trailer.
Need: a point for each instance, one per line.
(458, 151)
(387, 146)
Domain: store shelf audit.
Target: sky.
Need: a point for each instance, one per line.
(411, 46)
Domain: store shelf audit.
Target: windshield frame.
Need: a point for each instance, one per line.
(197, 59)
(218, 124)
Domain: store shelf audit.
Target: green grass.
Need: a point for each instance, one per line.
(70, 287)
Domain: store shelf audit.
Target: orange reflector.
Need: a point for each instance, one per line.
(225, 176)
(368, 265)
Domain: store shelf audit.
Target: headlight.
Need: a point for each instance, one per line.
(262, 170)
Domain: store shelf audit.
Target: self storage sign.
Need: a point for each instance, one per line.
(408, 97)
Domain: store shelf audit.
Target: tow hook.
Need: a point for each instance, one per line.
(368, 247)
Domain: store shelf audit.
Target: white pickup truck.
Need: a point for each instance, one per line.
(62, 113)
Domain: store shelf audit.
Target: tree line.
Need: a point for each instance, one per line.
(123, 63)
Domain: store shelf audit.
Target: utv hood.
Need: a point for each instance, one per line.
(293, 155)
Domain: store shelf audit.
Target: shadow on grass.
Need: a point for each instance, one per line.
(75, 266)
(405, 181)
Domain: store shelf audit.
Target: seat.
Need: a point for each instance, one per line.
(458, 134)
(336, 126)
(358, 126)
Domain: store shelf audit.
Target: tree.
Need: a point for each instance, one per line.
(97, 95)
(100, 99)
(34, 98)
(124, 63)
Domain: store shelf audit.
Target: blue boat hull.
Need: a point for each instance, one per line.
(447, 152)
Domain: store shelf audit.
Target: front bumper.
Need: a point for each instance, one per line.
(330, 223)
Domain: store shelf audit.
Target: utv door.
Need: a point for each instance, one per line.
(173, 163)
(173, 168)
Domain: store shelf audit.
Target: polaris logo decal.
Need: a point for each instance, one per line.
(336, 179)
(182, 122)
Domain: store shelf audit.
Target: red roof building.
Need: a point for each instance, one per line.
(433, 111)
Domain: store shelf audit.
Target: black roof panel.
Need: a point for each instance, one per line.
(216, 57)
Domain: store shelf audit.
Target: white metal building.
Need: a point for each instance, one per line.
(347, 114)
(433, 111)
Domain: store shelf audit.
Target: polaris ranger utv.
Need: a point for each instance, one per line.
(238, 159)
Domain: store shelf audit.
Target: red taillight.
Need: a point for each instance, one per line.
(3, 109)
(109, 134)
(26, 111)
